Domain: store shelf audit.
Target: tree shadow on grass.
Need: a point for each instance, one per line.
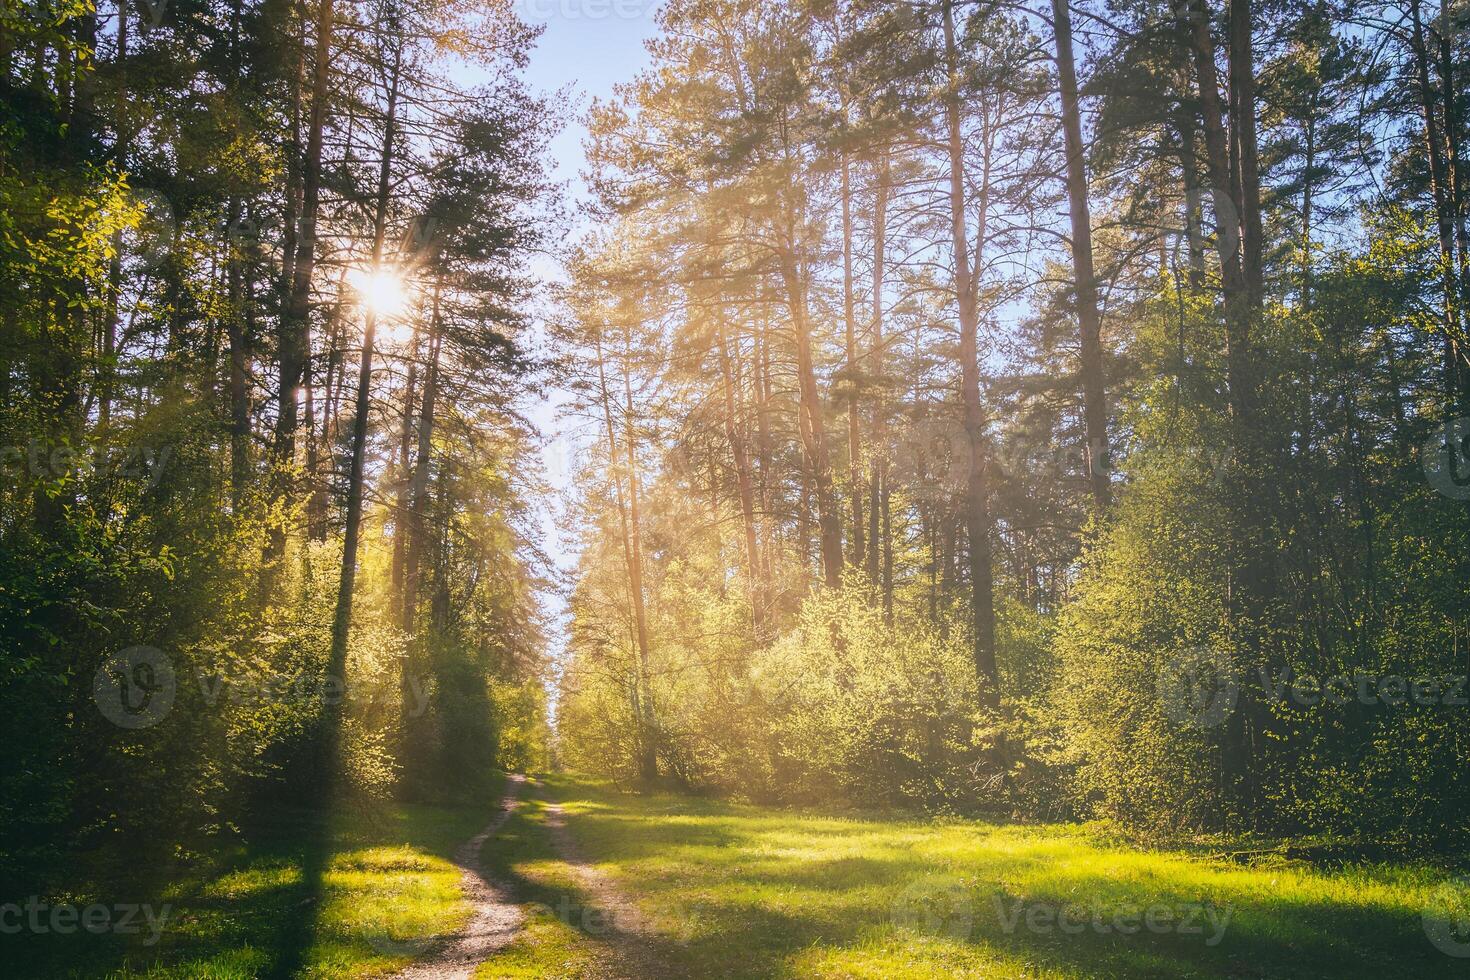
(1256, 932)
(1025, 907)
(330, 848)
(245, 907)
(201, 928)
(298, 930)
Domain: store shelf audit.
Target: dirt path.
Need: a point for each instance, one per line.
(627, 935)
(496, 917)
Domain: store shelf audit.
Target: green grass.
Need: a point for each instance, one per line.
(727, 890)
(738, 891)
(357, 897)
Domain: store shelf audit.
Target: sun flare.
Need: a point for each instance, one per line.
(383, 292)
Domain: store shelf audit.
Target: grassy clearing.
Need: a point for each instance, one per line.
(736, 891)
(726, 890)
(357, 898)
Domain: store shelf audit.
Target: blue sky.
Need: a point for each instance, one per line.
(587, 47)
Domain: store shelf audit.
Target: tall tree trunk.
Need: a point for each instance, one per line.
(239, 358)
(736, 437)
(419, 483)
(813, 428)
(763, 446)
(849, 321)
(1251, 588)
(1228, 237)
(1454, 138)
(977, 504)
(633, 558)
(342, 620)
(1243, 102)
(1444, 213)
(405, 442)
(295, 322)
(929, 529)
(648, 764)
(887, 548)
(411, 519)
(108, 378)
(1308, 190)
(309, 425)
(1193, 218)
(879, 567)
(1094, 408)
(321, 460)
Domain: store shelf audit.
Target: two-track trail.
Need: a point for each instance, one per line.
(622, 936)
(496, 918)
(626, 936)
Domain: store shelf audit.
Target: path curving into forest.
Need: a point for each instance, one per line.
(627, 939)
(496, 918)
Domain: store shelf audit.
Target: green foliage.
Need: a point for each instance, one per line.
(1150, 593)
(1361, 552)
(523, 734)
(853, 708)
(170, 558)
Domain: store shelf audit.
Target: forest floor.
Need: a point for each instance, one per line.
(613, 885)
